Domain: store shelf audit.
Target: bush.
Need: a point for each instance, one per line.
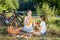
(37, 20)
(55, 21)
(46, 10)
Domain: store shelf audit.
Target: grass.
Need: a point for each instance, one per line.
(52, 34)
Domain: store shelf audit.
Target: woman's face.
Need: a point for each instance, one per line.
(29, 13)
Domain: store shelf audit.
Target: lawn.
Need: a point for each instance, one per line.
(52, 34)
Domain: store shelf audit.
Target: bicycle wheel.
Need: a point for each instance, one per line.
(1, 20)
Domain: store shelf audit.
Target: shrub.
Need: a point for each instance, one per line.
(37, 20)
(55, 21)
(46, 9)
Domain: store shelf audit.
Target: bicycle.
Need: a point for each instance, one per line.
(6, 21)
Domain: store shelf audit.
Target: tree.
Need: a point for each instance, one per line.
(52, 3)
(46, 9)
(9, 4)
(38, 10)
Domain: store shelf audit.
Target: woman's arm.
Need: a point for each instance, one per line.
(33, 23)
(25, 20)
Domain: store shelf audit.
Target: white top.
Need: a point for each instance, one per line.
(43, 25)
(28, 28)
(29, 25)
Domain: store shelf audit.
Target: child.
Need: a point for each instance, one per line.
(42, 28)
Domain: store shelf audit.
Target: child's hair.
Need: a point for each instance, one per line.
(42, 16)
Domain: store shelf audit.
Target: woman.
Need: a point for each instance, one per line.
(28, 22)
(28, 25)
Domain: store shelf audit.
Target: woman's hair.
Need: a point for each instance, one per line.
(43, 17)
(28, 10)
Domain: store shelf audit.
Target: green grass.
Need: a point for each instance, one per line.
(52, 33)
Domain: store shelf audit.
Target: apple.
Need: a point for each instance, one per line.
(36, 23)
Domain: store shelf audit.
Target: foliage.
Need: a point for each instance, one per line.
(38, 20)
(8, 4)
(38, 9)
(8, 15)
(54, 21)
(46, 9)
(52, 4)
(48, 1)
